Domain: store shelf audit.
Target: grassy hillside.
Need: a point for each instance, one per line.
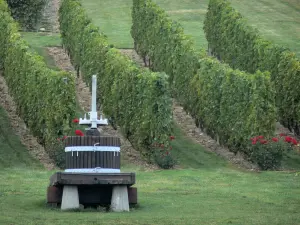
(39, 41)
(13, 153)
(277, 20)
(114, 18)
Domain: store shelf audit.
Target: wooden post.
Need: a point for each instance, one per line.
(119, 199)
(70, 198)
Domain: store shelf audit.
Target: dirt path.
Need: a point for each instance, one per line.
(19, 127)
(50, 15)
(187, 124)
(84, 97)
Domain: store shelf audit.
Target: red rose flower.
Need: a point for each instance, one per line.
(79, 133)
(263, 141)
(288, 139)
(167, 153)
(260, 137)
(172, 137)
(294, 141)
(76, 120)
(282, 135)
(254, 142)
(275, 139)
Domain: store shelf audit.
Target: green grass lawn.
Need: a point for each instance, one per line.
(39, 41)
(114, 18)
(276, 20)
(206, 191)
(189, 196)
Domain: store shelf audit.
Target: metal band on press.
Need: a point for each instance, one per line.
(93, 170)
(92, 148)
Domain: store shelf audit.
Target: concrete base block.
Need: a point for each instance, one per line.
(70, 198)
(119, 199)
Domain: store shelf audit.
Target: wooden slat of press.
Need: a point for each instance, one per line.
(110, 165)
(67, 161)
(118, 160)
(108, 159)
(76, 158)
(93, 140)
(88, 165)
(97, 159)
(100, 163)
(105, 160)
(108, 140)
(85, 157)
(93, 161)
(72, 157)
(81, 155)
(113, 160)
(99, 140)
(89, 160)
(114, 142)
(101, 159)
(70, 153)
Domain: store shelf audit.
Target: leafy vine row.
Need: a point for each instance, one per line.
(45, 98)
(230, 105)
(135, 99)
(242, 47)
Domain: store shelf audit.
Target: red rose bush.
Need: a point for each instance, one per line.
(268, 152)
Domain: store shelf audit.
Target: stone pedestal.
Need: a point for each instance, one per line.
(119, 199)
(70, 198)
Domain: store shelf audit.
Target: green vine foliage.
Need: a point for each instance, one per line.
(238, 44)
(45, 99)
(136, 99)
(229, 104)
